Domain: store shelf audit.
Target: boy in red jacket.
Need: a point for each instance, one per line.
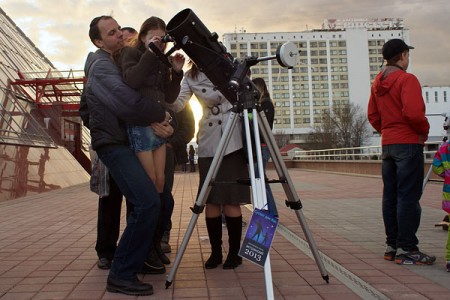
(396, 109)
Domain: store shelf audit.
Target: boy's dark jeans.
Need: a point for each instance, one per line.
(403, 174)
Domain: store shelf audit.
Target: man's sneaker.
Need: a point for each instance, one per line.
(390, 252)
(413, 258)
(448, 266)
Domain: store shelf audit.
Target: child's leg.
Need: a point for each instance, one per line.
(147, 161)
(159, 159)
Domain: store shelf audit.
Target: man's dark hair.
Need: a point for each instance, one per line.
(94, 31)
(395, 59)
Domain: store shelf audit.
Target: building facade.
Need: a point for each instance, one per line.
(438, 109)
(337, 65)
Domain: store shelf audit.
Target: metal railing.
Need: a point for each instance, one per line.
(356, 153)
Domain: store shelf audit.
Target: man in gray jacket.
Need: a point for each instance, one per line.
(112, 104)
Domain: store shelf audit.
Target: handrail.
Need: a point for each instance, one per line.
(356, 153)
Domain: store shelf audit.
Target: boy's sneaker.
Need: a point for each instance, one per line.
(403, 257)
(448, 266)
(390, 252)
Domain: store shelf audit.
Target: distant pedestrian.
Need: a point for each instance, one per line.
(397, 110)
(192, 158)
(441, 166)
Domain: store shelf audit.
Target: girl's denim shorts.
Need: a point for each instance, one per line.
(144, 139)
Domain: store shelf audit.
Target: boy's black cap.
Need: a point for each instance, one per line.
(393, 47)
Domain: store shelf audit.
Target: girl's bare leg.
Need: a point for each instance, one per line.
(159, 160)
(146, 159)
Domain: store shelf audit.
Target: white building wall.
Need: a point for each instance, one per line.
(358, 66)
(437, 108)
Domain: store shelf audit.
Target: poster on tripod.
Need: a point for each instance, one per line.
(259, 237)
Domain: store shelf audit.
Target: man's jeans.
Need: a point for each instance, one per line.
(140, 192)
(403, 174)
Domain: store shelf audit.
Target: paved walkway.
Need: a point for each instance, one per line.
(47, 247)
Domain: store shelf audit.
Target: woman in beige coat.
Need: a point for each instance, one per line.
(229, 198)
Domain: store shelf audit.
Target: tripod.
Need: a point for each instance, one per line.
(247, 104)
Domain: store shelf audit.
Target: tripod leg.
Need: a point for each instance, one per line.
(258, 187)
(293, 199)
(203, 195)
(427, 177)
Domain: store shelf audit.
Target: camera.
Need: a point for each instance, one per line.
(167, 39)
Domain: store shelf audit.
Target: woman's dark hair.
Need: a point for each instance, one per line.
(193, 71)
(262, 87)
(149, 24)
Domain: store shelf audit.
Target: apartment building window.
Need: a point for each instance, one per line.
(427, 99)
(445, 96)
(254, 46)
(436, 97)
(243, 46)
(262, 45)
(313, 44)
(323, 61)
(322, 44)
(314, 53)
(306, 120)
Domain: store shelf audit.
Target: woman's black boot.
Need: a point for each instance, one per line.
(214, 226)
(234, 226)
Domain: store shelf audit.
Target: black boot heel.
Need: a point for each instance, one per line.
(213, 261)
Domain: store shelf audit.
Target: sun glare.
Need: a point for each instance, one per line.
(198, 112)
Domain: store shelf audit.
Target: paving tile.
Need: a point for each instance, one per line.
(49, 252)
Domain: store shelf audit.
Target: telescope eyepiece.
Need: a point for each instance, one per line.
(167, 39)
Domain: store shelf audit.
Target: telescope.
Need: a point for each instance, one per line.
(229, 75)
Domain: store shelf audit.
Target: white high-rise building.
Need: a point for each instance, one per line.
(437, 99)
(337, 65)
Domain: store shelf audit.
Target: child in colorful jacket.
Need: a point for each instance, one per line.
(441, 166)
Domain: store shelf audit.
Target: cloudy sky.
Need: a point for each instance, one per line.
(59, 28)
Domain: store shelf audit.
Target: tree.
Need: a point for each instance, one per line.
(345, 126)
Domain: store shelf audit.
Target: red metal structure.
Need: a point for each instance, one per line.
(52, 89)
